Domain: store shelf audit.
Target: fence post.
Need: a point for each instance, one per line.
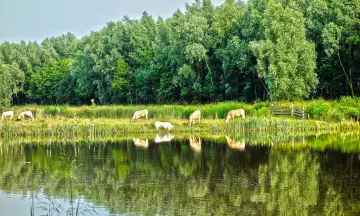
(292, 109)
(303, 113)
(271, 109)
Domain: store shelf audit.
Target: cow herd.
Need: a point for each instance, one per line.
(196, 115)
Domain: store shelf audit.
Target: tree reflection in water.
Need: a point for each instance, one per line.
(195, 176)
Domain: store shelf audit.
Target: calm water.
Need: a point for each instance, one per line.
(255, 175)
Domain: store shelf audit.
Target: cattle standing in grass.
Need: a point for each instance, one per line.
(26, 115)
(141, 143)
(194, 116)
(166, 125)
(195, 144)
(166, 138)
(236, 144)
(234, 113)
(139, 114)
(8, 114)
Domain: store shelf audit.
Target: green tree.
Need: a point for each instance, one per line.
(11, 80)
(46, 82)
(285, 58)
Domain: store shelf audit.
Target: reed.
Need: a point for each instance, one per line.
(344, 109)
(55, 127)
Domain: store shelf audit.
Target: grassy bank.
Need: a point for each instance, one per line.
(336, 115)
(108, 127)
(343, 109)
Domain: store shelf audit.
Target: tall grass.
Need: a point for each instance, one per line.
(108, 127)
(346, 108)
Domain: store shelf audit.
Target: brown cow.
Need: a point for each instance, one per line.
(236, 144)
(233, 113)
(194, 116)
(139, 114)
(141, 143)
(195, 144)
(26, 115)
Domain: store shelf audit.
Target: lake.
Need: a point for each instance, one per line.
(182, 175)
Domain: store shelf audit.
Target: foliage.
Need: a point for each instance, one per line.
(241, 51)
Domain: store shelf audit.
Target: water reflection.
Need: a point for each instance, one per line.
(141, 143)
(236, 144)
(307, 179)
(160, 139)
(195, 144)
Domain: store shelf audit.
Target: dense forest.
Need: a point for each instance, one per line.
(247, 51)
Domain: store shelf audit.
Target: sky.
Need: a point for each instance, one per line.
(31, 20)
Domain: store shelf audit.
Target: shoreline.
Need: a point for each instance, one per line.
(53, 127)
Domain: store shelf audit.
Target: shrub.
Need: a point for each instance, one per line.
(50, 111)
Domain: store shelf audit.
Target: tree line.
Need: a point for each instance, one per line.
(248, 51)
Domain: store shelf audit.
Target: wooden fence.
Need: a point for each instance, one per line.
(287, 111)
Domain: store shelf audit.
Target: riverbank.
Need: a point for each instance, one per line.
(344, 109)
(321, 115)
(59, 126)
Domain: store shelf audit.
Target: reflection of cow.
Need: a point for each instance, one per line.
(141, 143)
(7, 114)
(166, 125)
(234, 113)
(236, 144)
(166, 138)
(26, 115)
(194, 116)
(139, 114)
(195, 144)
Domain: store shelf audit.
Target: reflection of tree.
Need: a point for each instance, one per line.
(333, 203)
(170, 179)
(289, 182)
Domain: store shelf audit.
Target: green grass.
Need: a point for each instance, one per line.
(61, 126)
(115, 119)
(344, 109)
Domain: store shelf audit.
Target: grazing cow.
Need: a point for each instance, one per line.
(194, 116)
(139, 114)
(26, 115)
(236, 144)
(8, 114)
(141, 143)
(195, 144)
(166, 138)
(166, 125)
(233, 113)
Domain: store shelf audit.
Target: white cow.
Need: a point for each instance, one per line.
(166, 125)
(139, 114)
(26, 115)
(7, 114)
(166, 138)
(141, 143)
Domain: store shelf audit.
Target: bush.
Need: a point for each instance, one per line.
(50, 111)
(318, 109)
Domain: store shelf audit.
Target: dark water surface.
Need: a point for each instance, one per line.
(191, 176)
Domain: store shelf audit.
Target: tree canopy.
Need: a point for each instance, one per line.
(247, 51)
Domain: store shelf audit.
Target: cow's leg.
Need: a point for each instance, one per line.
(146, 116)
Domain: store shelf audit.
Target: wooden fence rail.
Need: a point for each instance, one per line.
(287, 111)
